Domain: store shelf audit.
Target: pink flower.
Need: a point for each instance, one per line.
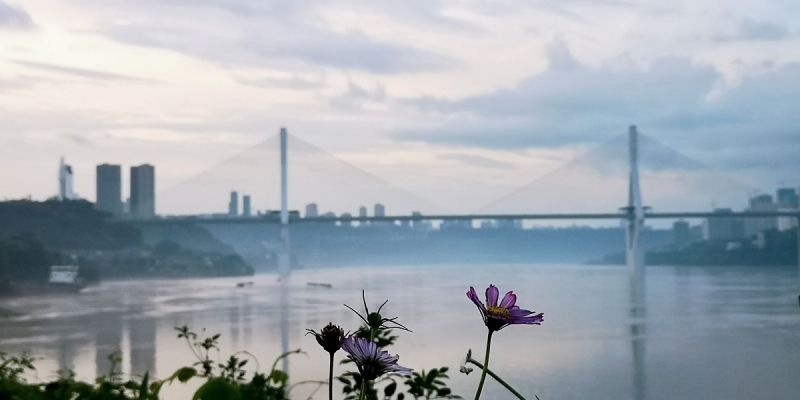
(498, 316)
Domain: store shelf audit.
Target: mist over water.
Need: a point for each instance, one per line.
(314, 176)
(597, 182)
(699, 333)
(671, 181)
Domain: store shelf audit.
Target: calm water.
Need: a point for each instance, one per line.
(700, 333)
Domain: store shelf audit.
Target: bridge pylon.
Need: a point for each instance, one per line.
(284, 258)
(634, 256)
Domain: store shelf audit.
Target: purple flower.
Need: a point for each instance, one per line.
(371, 361)
(498, 316)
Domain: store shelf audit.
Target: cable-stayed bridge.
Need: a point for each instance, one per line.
(356, 183)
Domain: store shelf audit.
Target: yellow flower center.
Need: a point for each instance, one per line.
(498, 312)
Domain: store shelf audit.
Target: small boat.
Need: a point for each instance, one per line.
(325, 285)
(62, 279)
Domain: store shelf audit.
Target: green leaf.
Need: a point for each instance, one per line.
(279, 377)
(143, 387)
(185, 373)
(217, 389)
(389, 390)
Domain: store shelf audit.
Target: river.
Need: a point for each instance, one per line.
(699, 333)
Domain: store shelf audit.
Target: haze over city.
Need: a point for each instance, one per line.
(439, 98)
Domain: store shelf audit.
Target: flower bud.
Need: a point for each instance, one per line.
(330, 337)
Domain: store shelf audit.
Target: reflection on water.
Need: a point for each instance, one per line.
(638, 307)
(142, 339)
(696, 333)
(284, 310)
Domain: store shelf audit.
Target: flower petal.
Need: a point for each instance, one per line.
(491, 296)
(516, 311)
(472, 295)
(536, 319)
(508, 300)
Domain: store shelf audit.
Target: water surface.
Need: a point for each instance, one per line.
(698, 333)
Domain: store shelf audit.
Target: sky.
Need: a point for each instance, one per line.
(457, 102)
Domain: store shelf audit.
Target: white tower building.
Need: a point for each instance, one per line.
(65, 181)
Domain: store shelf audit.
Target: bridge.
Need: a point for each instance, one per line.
(634, 214)
(296, 219)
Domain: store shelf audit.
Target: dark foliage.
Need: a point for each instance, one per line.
(223, 381)
(60, 225)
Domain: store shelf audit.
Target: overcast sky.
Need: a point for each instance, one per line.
(460, 102)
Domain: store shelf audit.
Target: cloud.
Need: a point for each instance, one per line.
(80, 72)
(477, 161)
(356, 96)
(77, 138)
(574, 103)
(14, 17)
(349, 50)
(294, 81)
(264, 35)
(750, 29)
(20, 82)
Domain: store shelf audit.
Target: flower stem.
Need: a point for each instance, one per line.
(497, 378)
(330, 380)
(363, 394)
(485, 365)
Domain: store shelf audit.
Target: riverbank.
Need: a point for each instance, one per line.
(768, 248)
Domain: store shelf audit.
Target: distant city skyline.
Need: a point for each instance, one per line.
(455, 100)
(109, 196)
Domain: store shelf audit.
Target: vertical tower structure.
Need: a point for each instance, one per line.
(635, 261)
(65, 177)
(634, 256)
(283, 257)
(143, 191)
(233, 204)
(246, 211)
(109, 188)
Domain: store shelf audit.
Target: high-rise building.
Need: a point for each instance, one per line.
(787, 198)
(233, 204)
(246, 211)
(143, 191)
(681, 234)
(108, 183)
(723, 228)
(65, 181)
(755, 225)
(109, 188)
(312, 210)
(380, 210)
(362, 212)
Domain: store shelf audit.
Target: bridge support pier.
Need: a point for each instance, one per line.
(634, 255)
(284, 258)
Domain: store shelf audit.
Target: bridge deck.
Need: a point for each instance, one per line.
(270, 219)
